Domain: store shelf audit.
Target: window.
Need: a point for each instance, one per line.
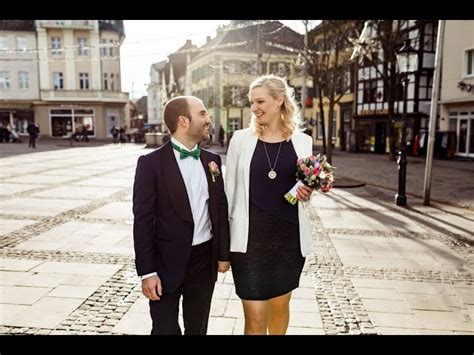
(426, 84)
(429, 42)
(103, 47)
(81, 43)
(84, 120)
(23, 80)
(64, 122)
(58, 83)
(370, 91)
(112, 81)
(3, 42)
(21, 43)
(55, 45)
(233, 125)
(470, 62)
(105, 82)
(235, 96)
(111, 47)
(231, 67)
(347, 116)
(279, 68)
(347, 81)
(84, 81)
(4, 80)
(61, 122)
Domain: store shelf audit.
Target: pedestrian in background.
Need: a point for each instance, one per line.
(115, 133)
(33, 131)
(221, 136)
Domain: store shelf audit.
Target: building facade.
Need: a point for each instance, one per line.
(19, 83)
(330, 58)
(80, 77)
(169, 78)
(457, 90)
(156, 98)
(378, 88)
(226, 65)
(62, 74)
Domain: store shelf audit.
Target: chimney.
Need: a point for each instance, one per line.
(208, 39)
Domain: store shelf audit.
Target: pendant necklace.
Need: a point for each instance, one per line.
(272, 173)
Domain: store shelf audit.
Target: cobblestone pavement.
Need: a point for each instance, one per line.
(66, 255)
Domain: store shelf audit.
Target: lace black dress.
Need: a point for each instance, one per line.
(272, 265)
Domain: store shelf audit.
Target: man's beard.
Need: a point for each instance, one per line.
(201, 136)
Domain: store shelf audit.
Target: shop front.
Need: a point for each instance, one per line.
(17, 120)
(372, 134)
(462, 123)
(65, 122)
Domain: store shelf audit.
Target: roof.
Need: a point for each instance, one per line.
(241, 36)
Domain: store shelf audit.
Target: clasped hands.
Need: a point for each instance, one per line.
(152, 289)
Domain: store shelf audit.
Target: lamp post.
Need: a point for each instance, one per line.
(407, 61)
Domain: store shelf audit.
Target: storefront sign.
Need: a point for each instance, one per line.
(374, 112)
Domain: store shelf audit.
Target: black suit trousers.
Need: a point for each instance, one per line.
(196, 289)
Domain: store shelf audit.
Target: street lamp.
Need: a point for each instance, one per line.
(407, 61)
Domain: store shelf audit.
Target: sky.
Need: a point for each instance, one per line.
(150, 41)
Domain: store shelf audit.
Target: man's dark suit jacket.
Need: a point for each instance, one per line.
(163, 223)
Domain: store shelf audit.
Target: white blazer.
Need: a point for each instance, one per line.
(237, 185)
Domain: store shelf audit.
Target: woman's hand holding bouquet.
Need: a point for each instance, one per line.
(314, 172)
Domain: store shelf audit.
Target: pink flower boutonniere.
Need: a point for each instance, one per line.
(214, 170)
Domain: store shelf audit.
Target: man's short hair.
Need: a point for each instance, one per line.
(175, 107)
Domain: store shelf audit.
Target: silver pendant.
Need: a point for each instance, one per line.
(272, 174)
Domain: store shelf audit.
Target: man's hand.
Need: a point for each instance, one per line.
(303, 193)
(223, 266)
(151, 288)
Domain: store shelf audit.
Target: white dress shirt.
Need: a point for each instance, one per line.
(195, 181)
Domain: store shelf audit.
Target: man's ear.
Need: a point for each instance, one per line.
(182, 121)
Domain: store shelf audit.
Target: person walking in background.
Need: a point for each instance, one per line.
(33, 131)
(115, 134)
(181, 227)
(122, 136)
(221, 136)
(270, 237)
(85, 133)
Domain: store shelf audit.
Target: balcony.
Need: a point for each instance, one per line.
(68, 24)
(84, 95)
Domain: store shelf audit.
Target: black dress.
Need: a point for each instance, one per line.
(272, 265)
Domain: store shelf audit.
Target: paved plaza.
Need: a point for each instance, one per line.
(67, 260)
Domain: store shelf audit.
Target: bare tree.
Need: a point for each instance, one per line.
(328, 62)
(379, 52)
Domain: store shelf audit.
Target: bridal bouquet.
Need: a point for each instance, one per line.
(313, 171)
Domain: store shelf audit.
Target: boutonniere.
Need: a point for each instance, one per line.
(214, 170)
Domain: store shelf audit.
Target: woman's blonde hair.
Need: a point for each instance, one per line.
(277, 87)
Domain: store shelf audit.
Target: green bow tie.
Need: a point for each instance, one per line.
(183, 153)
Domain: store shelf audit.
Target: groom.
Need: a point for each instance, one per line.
(181, 228)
